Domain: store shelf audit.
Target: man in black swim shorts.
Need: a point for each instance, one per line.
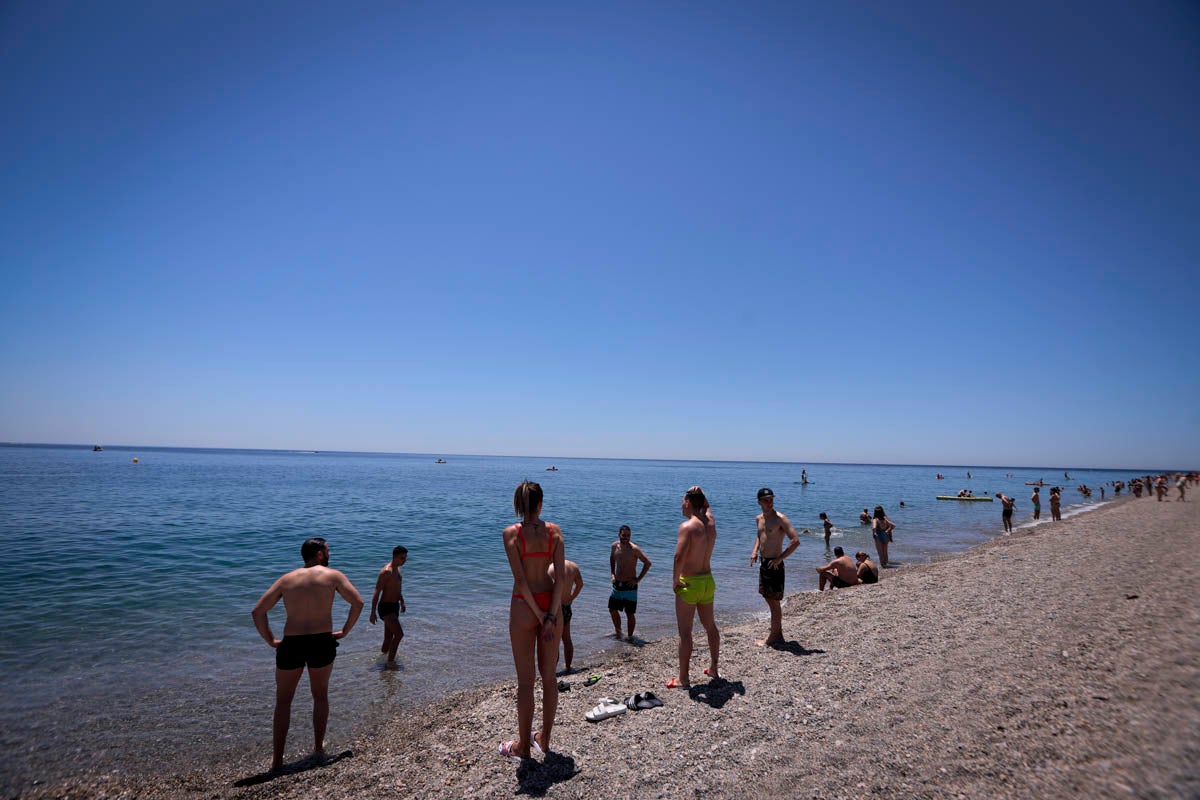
(768, 550)
(308, 639)
(1006, 514)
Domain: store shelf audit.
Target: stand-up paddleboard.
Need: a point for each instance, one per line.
(952, 497)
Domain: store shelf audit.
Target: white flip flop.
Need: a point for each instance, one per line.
(605, 709)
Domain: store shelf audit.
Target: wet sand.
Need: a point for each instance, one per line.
(1061, 661)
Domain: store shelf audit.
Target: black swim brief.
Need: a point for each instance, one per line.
(387, 609)
(838, 583)
(314, 650)
(566, 612)
(770, 579)
(1007, 514)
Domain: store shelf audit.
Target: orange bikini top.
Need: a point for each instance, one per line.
(521, 536)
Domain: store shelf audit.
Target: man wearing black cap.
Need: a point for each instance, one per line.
(768, 550)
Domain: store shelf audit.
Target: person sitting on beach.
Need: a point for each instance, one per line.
(881, 532)
(534, 618)
(389, 597)
(768, 550)
(623, 558)
(573, 586)
(309, 639)
(694, 585)
(1006, 514)
(839, 573)
(864, 518)
(867, 571)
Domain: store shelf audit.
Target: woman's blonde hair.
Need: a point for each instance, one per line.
(527, 498)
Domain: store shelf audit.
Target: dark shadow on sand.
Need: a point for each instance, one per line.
(303, 765)
(535, 779)
(795, 648)
(716, 693)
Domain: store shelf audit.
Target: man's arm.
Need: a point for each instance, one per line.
(828, 567)
(351, 596)
(259, 612)
(612, 563)
(790, 532)
(680, 553)
(576, 586)
(400, 587)
(758, 526)
(645, 565)
(378, 591)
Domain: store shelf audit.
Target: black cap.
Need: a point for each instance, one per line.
(765, 492)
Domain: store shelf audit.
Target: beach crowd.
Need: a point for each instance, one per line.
(545, 584)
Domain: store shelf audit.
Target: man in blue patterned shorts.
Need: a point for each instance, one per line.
(622, 565)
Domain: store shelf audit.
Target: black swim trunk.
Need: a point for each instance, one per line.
(770, 580)
(313, 650)
(387, 609)
(566, 607)
(838, 583)
(1007, 514)
(623, 597)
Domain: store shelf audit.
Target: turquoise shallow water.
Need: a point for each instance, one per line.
(126, 599)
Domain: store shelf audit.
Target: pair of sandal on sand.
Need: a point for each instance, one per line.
(607, 707)
(508, 750)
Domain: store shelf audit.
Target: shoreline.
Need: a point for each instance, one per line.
(1015, 668)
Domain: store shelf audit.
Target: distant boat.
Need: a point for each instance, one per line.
(551, 469)
(976, 499)
(97, 448)
(440, 461)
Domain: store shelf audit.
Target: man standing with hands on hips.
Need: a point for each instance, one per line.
(309, 639)
(768, 550)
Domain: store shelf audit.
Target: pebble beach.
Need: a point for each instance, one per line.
(1059, 661)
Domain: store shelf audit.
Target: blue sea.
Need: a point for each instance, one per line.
(127, 637)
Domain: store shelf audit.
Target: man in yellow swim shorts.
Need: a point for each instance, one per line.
(694, 584)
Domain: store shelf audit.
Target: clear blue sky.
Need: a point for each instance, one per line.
(886, 232)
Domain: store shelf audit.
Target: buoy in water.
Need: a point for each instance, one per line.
(135, 461)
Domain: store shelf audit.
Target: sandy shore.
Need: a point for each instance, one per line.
(1058, 662)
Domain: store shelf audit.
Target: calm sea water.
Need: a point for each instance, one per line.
(126, 600)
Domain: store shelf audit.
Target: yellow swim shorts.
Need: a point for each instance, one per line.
(698, 590)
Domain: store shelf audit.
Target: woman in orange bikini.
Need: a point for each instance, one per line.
(534, 616)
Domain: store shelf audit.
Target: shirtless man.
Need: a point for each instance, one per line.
(839, 573)
(768, 548)
(865, 517)
(308, 638)
(1036, 499)
(1006, 514)
(572, 585)
(694, 584)
(389, 596)
(623, 558)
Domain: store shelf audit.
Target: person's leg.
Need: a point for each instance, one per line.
(714, 639)
(824, 577)
(684, 615)
(523, 632)
(568, 647)
(616, 621)
(881, 545)
(318, 683)
(286, 681)
(776, 632)
(394, 634)
(547, 653)
(632, 622)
